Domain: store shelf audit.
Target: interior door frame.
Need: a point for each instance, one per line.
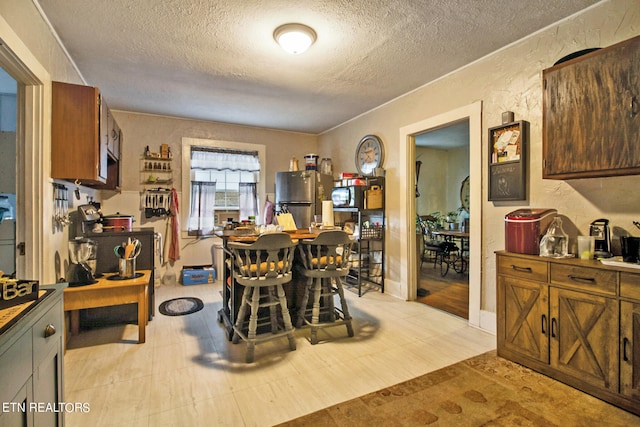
(33, 131)
(409, 276)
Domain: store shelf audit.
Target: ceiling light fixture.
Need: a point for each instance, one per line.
(294, 38)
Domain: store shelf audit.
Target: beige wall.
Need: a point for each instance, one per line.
(509, 79)
(441, 175)
(140, 130)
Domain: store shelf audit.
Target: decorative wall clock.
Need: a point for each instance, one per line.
(369, 154)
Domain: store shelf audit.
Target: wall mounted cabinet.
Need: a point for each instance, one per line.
(85, 139)
(591, 115)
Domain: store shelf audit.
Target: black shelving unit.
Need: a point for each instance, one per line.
(367, 257)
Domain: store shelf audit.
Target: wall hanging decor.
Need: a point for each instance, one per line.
(507, 161)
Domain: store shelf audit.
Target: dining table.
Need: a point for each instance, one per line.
(460, 263)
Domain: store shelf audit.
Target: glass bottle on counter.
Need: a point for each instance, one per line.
(555, 243)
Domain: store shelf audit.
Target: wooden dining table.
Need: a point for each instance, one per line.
(463, 238)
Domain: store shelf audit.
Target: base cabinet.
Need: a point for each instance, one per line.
(31, 365)
(581, 343)
(630, 350)
(567, 319)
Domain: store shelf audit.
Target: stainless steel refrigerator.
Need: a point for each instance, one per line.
(301, 193)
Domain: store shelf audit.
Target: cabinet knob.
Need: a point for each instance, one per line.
(49, 330)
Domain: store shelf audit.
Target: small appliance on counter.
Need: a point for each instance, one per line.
(600, 230)
(89, 217)
(82, 262)
(525, 227)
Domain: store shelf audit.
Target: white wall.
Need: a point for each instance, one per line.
(508, 80)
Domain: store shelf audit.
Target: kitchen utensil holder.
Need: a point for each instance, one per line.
(127, 268)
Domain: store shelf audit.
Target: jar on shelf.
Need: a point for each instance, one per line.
(326, 166)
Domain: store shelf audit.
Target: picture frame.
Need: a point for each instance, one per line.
(507, 149)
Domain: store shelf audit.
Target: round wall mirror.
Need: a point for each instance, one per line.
(464, 194)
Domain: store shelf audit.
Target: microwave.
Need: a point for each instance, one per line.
(351, 196)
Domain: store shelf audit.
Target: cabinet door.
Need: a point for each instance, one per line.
(591, 118)
(584, 339)
(77, 151)
(47, 387)
(18, 414)
(630, 349)
(522, 317)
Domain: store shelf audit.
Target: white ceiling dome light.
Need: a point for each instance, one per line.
(294, 38)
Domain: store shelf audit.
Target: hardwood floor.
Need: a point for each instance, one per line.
(449, 293)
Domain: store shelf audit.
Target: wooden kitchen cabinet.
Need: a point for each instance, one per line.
(630, 336)
(85, 139)
(591, 116)
(566, 318)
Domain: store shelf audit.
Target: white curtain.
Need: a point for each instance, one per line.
(248, 200)
(224, 160)
(201, 212)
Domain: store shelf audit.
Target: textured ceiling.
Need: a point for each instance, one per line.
(217, 60)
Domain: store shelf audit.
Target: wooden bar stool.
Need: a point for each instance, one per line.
(262, 267)
(325, 261)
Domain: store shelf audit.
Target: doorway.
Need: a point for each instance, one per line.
(8, 172)
(441, 205)
(33, 104)
(409, 275)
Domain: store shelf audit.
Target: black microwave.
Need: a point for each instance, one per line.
(351, 196)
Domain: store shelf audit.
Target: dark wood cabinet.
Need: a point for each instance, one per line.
(567, 319)
(85, 140)
(591, 116)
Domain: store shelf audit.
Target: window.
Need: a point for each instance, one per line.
(221, 177)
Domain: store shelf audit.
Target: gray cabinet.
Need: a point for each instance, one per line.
(31, 363)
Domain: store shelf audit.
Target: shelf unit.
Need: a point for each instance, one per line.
(156, 171)
(367, 257)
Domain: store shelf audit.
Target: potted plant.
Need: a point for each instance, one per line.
(452, 219)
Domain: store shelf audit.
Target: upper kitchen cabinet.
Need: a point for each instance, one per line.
(591, 120)
(83, 142)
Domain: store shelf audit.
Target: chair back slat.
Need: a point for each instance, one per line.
(270, 256)
(329, 251)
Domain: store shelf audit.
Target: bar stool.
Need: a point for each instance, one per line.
(325, 261)
(262, 267)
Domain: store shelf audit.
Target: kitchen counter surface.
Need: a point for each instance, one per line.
(108, 292)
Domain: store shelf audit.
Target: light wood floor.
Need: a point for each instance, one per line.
(188, 374)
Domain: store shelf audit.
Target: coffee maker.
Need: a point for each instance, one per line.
(82, 262)
(600, 230)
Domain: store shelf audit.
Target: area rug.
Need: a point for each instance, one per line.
(181, 306)
(482, 391)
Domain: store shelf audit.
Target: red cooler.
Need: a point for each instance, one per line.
(524, 228)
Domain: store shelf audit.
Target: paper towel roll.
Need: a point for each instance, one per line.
(327, 213)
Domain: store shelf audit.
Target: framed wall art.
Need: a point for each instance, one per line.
(508, 161)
